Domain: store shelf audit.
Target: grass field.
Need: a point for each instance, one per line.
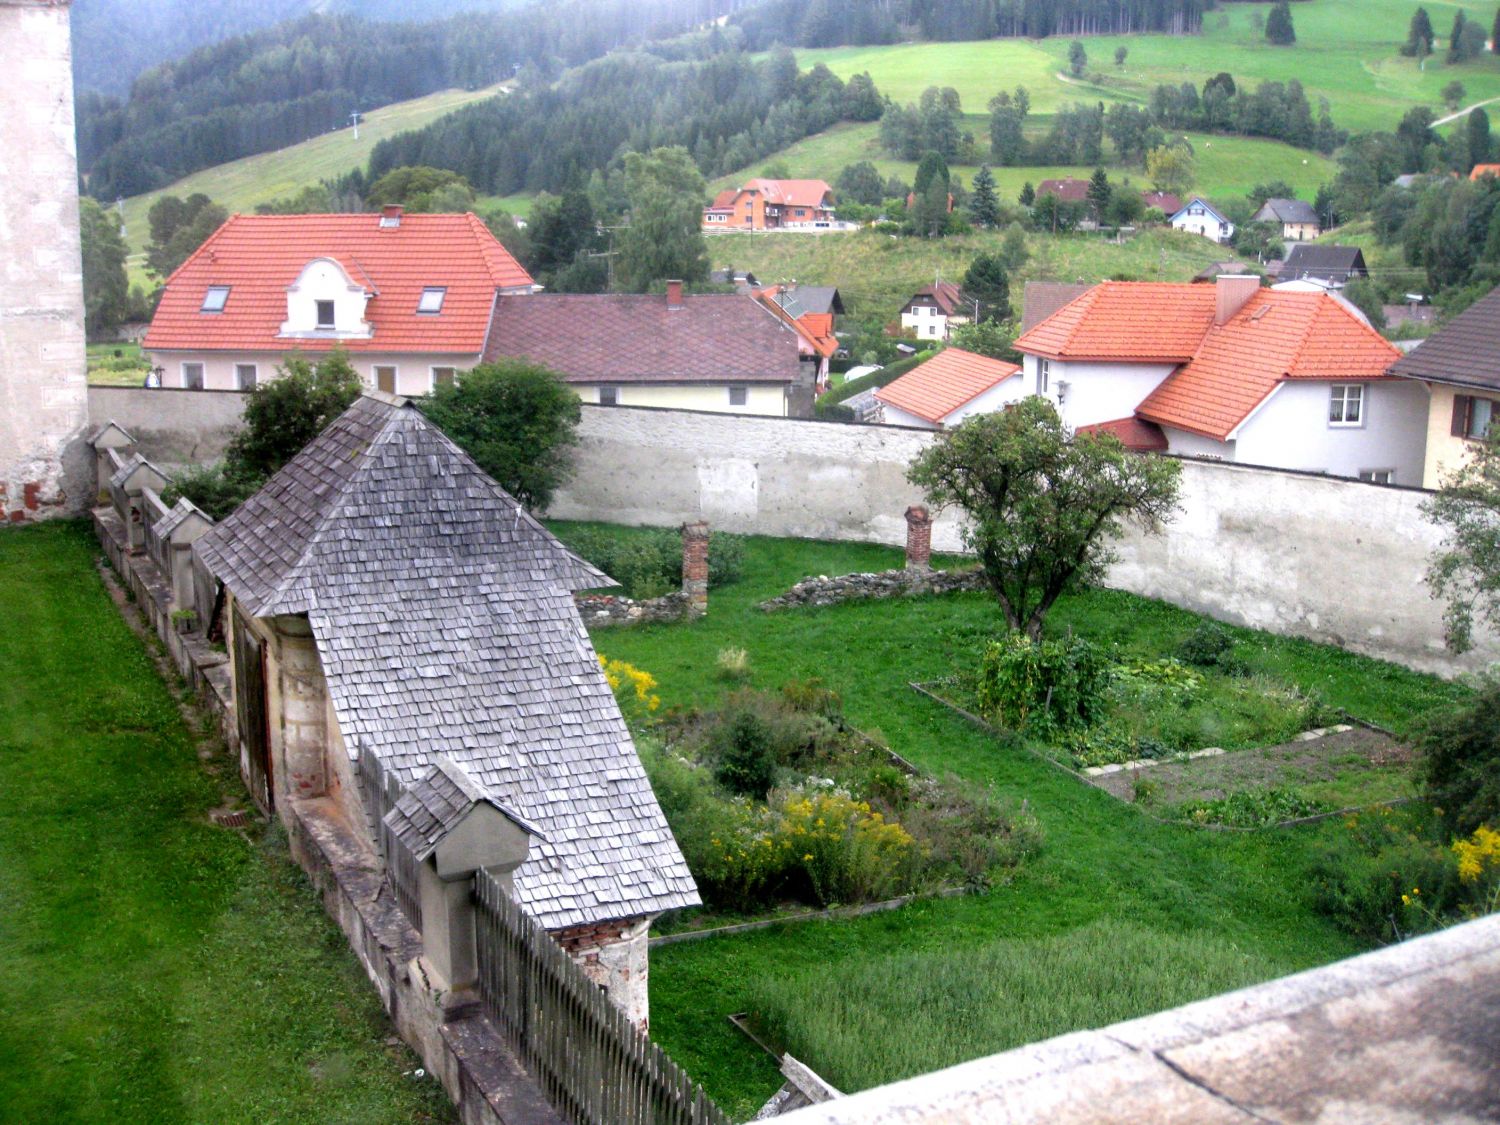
(153, 967)
(1244, 898)
(117, 365)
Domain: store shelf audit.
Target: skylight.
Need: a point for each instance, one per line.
(213, 300)
(432, 300)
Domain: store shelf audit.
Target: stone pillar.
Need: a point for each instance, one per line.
(303, 721)
(695, 566)
(918, 538)
(44, 461)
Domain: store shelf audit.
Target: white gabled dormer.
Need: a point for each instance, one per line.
(326, 303)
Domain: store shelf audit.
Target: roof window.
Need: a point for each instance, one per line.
(214, 299)
(432, 300)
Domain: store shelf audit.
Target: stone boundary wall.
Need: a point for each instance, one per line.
(1336, 561)
(602, 610)
(823, 590)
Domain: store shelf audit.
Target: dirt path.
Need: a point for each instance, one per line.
(1463, 112)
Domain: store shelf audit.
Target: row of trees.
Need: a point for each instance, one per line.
(1465, 41)
(284, 84)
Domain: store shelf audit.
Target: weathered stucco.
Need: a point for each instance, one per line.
(45, 468)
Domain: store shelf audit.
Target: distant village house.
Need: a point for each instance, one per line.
(764, 204)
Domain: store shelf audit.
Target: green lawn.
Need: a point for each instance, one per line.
(117, 364)
(153, 967)
(1245, 895)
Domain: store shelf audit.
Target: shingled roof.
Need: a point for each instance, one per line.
(1323, 263)
(433, 806)
(444, 618)
(1464, 352)
(1286, 211)
(628, 338)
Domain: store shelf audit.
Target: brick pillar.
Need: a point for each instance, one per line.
(918, 538)
(695, 565)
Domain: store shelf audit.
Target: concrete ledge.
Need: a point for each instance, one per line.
(1409, 1033)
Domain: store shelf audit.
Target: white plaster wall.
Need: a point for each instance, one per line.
(760, 398)
(1103, 392)
(1291, 431)
(323, 279)
(895, 416)
(925, 323)
(1187, 444)
(1206, 225)
(998, 396)
(44, 466)
(413, 372)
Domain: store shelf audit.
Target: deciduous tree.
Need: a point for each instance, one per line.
(1078, 58)
(1170, 168)
(106, 289)
(1041, 504)
(665, 236)
(178, 227)
(1464, 572)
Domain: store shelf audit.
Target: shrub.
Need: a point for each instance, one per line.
(648, 564)
(1461, 761)
(733, 664)
(1251, 808)
(844, 849)
(1210, 646)
(1040, 686)
(743, 753)
(635, 690)
(1385, 878)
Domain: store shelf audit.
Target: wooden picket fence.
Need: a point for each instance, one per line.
(594, 1065)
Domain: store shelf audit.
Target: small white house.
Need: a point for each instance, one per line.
(1197, 217)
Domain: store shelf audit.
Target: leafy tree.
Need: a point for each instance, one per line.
(1027, 196)
(1465, 571)
(1364, 295)
(1466, 40)
(987, 282)
(1419, 36)
(984, 205)
(106, 289)
(1279, 29)
(860, 183)
(1478, 130)
(1222, 81)
(1121, 53)
(1453, 94)
(562, 231)
(929, 213)
(1078, 58)
(1007, 122)
(1013, 251)
(422, 190)
(1098, 194)
(1170, 168)
(178, 227)
(517, 420)
(1414, 135)
(1460, 761)
(1041, 504)
(993, 338)
(665, 236)
(1125, 207)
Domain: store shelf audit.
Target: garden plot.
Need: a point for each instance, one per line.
(1343, 768)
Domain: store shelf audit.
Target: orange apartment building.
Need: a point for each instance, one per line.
(771, 205)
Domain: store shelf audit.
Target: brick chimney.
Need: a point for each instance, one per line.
(918, 538)
(695, 566)
(674, 294)
(390, 216)
(1233, 291)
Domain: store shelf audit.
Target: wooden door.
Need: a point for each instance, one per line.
(250, 711)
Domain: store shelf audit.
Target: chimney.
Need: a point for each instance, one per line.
(390, 216)
(674, 294)
(695, 566)
(1233, 291)
(918, 538)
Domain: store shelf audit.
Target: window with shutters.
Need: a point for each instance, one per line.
(1472, 417)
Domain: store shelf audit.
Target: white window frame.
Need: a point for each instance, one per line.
(609, 396)
(333, 316)
(1483, 431)
(742, 392)
(240, 384)
(202, 376)
(1339, 400)
(1043, 375)
(215, 298)
(1378, 476)
(433, 296)
(395, 370)
(432, 375)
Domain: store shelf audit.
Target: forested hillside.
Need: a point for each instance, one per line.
(275, 87)
(834, 23)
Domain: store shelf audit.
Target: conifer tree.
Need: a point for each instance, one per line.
(984, 206)
(1099, 192)
(1419, 36)
(1028, 194)
(1279, 29)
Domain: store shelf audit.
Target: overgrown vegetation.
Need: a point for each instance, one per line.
(648, 564)
(155, 968)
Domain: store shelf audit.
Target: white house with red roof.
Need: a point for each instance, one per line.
(932, 312)
(409, 298)
(764, 204)
(948, 388)
(1235, 372)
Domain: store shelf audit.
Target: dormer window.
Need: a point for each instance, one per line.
(214, 299)
(325, 315)
(432, 300)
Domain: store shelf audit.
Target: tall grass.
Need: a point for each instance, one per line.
(885, 1018)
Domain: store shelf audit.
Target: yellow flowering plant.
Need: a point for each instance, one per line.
(634, 688)
(1479, 871)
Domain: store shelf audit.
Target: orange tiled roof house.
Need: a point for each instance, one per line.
(1231, 371)
(408, 297)
(944, 390)
(771, 205)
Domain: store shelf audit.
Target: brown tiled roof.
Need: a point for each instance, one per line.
(1043, 298)
(1068, 189)
(936, 388)
(945, 295)
(1465, 351)
(628, 338)
(257, 256)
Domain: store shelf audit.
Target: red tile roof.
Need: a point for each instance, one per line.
(1479, 171)
(1071, 190)
(935, 389)
(1134, 433)
(1133, 321)
(1276, 336)
(619, 338)
(1164, 201)
(814, 328)
(945, 295)
(259, 256)
(724, 201)
(791, 193)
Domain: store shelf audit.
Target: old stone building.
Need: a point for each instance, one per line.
(386, 603)
(44, 465)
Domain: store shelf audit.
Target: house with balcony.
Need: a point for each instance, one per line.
(407, 297)
(764, 204)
